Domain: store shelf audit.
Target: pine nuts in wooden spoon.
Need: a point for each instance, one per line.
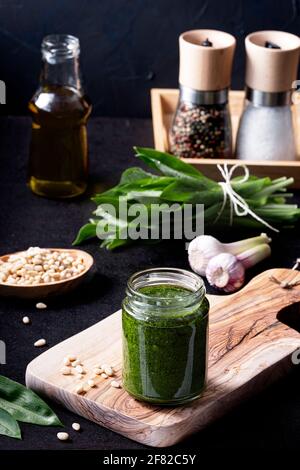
(40, 265)
(40, 272)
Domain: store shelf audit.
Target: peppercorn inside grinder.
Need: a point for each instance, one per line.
(201, 125)
(266, 129)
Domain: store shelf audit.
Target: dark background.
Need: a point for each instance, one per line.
(128, 46)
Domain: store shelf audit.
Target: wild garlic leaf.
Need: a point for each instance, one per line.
(172, 166)
(9, 426)
(25, 405)
(134, 173)
(87, 231)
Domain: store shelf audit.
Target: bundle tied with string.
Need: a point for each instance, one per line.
(237, 205)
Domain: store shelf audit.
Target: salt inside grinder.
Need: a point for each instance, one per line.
(266, 130)
(201, 126)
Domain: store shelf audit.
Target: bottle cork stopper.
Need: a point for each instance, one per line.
(272, 60)
(206, 57)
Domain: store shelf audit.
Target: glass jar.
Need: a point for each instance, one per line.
(58, 160)
(165, 326)
(266, 129)
(201, 125)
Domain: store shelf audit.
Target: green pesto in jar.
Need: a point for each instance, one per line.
(165, 349)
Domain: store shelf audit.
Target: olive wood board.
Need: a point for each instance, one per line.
(163, 104)
(250, 345)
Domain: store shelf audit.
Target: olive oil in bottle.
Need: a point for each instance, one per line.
(58, 160)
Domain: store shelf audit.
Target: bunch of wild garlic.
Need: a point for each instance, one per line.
(179, 182)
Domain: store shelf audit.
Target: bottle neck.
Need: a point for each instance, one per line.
(64, 73)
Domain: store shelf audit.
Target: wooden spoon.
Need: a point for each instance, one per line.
(42, 290)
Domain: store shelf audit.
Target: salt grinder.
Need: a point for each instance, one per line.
(201, 125)
(266, 130)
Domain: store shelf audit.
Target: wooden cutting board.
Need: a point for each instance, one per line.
(250, 344)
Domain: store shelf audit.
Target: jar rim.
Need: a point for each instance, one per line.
(169, 308)
(194, 285)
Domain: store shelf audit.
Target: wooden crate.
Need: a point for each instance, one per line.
(164, 101)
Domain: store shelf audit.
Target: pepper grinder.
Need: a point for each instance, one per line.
(266, 130)
(201, 125)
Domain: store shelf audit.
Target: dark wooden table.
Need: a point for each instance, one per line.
(270, 420)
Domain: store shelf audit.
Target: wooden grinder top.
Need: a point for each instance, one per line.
(271, 70)
(206, 68)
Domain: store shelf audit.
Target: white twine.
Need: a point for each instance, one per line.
(238, 206)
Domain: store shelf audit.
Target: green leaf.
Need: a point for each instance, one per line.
(172, 166)
(181, 192)
(86, 232)
(113, 243)
(250, 187)
(9, 426)
(134, 173)
(25, 405)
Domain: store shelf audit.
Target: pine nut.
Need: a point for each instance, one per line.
(62, 436)
(67, 361)
(115, 384)
(41, 305)
(71, 357)
(38, 267)
(91, 383)
(79, 389)
(66, 370)
(79, 369)
(104, 376)
(76, 426)
(108, 371)
(26, 320)
(97, 371)
(40, 342)
(75, 363)
(86, 387)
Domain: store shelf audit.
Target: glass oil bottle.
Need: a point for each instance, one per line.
(58, 160)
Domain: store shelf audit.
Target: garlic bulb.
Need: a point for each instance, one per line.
(227, 271)
(205, 247)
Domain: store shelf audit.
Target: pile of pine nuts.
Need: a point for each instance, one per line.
(74, 366)
(40, 266)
